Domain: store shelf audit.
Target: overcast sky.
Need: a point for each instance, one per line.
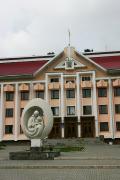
(35, 27)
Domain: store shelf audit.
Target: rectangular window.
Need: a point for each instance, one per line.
(118, 126)
(87, 110)
(117, 108)
(25, 95)
(86, 93)
(104, 126)
(55, 94)
(103, 109)
(40, 94)
(8, 129)
(54, 80)
(70, 93)
(9, 112)
(55, 111)
(117, 91)
(70, 110)
(9, 96)
(86, 78)
(102, 92)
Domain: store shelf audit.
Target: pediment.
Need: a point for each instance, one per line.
(69, 64)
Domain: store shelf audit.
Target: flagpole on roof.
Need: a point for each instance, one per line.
(69, 44)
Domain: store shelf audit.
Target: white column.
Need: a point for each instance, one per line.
(17, 113)
(2, 113)
(62, 104)
(78, 103)
(46, 88)
(95, 105)
(31, 91)
(111, 109)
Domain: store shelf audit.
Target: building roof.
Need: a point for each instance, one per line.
(21, 68)
(107, 62)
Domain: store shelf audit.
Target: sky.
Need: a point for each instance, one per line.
(36, 27)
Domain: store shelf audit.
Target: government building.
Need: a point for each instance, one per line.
(83, 90)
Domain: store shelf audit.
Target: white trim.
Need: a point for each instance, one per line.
(62, 96)
(111, 109)
(78, 103)
(46, 88)
(102, 55)
(2, 114)
(25, 60)
(45, 65)
(88, 59)
(94, 105)
(17, 123)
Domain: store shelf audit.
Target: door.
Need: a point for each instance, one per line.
(70, 127)
(56, 130)
(88, 126)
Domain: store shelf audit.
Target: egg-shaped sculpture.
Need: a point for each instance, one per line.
(37, 119)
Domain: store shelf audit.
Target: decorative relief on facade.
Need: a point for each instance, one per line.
(24, 87)
(86, 84)
(39, 87)
(54, 85)
(69, 64)
(102, 83)
(116, 82)
(9, 87)
(70, 85)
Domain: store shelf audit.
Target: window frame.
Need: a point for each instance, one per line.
(23, 95)
(104, 129)
(69, 111)
(102, 110)
(70, 93)
(101, 94)
(85, 93)
(9, 96)
(53, 94)
(9, 114)
(7, 130)
(89, 111)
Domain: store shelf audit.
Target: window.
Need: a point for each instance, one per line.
(102, 92)
(54, 80)
(25, 95)
(71, 110)
(8, 129)
(21, 110)
(117, 108)
(9, 96)
(86, 93)
(118, 126)
(87, 110)
(104, 126)
(9, 112)
(55, 111)
(70, 93)
(117, 91)
(86, 78)
(55, 94)
(40, 94)
(103, 109)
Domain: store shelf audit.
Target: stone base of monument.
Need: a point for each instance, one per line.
(36, 152)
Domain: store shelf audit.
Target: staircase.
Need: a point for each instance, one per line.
(73, 141)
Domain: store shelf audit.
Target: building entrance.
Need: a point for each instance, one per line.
(71, 127)
(87, 126)
(56, 130)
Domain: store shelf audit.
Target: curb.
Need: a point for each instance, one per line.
(62, 167)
